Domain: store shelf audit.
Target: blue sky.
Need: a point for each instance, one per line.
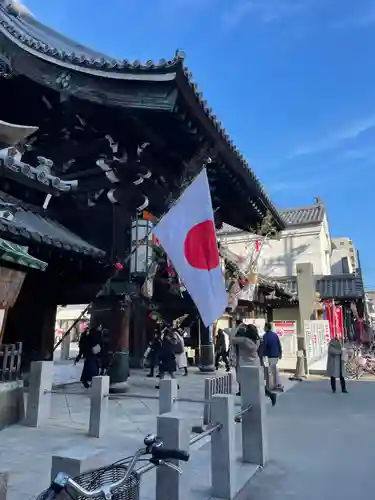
(292, 80)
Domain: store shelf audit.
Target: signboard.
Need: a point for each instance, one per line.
(316, 337)
(287, 331)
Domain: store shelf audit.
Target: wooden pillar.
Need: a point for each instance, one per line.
(120, 339)
(48, 331)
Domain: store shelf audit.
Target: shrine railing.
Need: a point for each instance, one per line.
(10, 361)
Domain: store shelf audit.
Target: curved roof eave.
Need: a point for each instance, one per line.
(53, 47)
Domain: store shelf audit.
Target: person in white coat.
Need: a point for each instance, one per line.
(181, 358)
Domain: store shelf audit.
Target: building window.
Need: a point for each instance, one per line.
(342, 243)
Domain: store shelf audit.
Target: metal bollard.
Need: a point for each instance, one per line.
(39, 398)
(167, 395)
(99, 406)
(223, 452)
(207, 397)
(4, 476)
(75, 461)
(175, 433)
(254, 432)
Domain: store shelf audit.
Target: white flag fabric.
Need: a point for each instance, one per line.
(187, 234)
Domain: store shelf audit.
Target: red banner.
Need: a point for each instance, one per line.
(334, 315)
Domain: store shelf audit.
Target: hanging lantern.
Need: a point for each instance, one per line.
(141, 246)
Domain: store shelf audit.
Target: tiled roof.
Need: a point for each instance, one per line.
(300, 216)
(28, 222)
(38, 39)
(332, 286)
(227, 228)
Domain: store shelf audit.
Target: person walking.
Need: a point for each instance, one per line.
(154, 352)
(246, 342)
(271, 349)
(167, 355)
(336, 365)
(180, 353)
(222, 349)
(90, 349)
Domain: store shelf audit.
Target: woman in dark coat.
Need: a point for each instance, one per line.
(167, 354)
(90, 349)
(155, 348)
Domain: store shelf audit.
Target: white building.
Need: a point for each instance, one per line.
(344, 256)
(306, 239)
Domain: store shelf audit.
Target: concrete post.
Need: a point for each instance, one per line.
(167, 395)
(306, 303)
(223, 452)
(39, 398)
(75, 461)
(4, 475)
(254, 432)
(175, 433)
(99, 406)
(65, 348)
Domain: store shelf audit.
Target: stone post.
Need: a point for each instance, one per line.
(223, 452)
(99, 406)
(254, 431)
(4, 476)
(75, 461)
(175, 433)
(65, 348)
(39, 398)
(167, 395)
(306, 300)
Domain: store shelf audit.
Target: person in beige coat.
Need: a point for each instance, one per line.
(245, 340)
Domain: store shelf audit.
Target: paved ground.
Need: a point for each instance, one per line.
(320, 443)
(27, 453)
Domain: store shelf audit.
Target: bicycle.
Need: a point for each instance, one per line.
(126, 479)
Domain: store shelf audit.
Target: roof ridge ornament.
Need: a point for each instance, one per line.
(16, 8)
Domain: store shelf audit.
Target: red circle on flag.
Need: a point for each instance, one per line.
(200, 246)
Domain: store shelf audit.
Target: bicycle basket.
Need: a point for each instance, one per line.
(94, 479)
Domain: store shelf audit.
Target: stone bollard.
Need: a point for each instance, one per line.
(4, 476)
(175, 433)
(167, 395)
(99, 406)
(39, 398)
(75, 461)
(223, 451)
(254, 432)
(65, 348)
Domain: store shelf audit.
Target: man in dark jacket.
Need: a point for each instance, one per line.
(273, 351)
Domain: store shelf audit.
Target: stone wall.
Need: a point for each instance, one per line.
(12, 409)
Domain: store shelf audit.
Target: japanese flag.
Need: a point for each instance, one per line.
(187, 234)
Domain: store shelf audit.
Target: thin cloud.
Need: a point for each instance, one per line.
(364, 18)
(234, 16)
(282, 186)
(265, 11)
(334, 140)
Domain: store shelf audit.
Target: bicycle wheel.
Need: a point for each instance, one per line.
(351, 370)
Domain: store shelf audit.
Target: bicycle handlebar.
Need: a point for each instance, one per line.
(166, 453)
(154, 447)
